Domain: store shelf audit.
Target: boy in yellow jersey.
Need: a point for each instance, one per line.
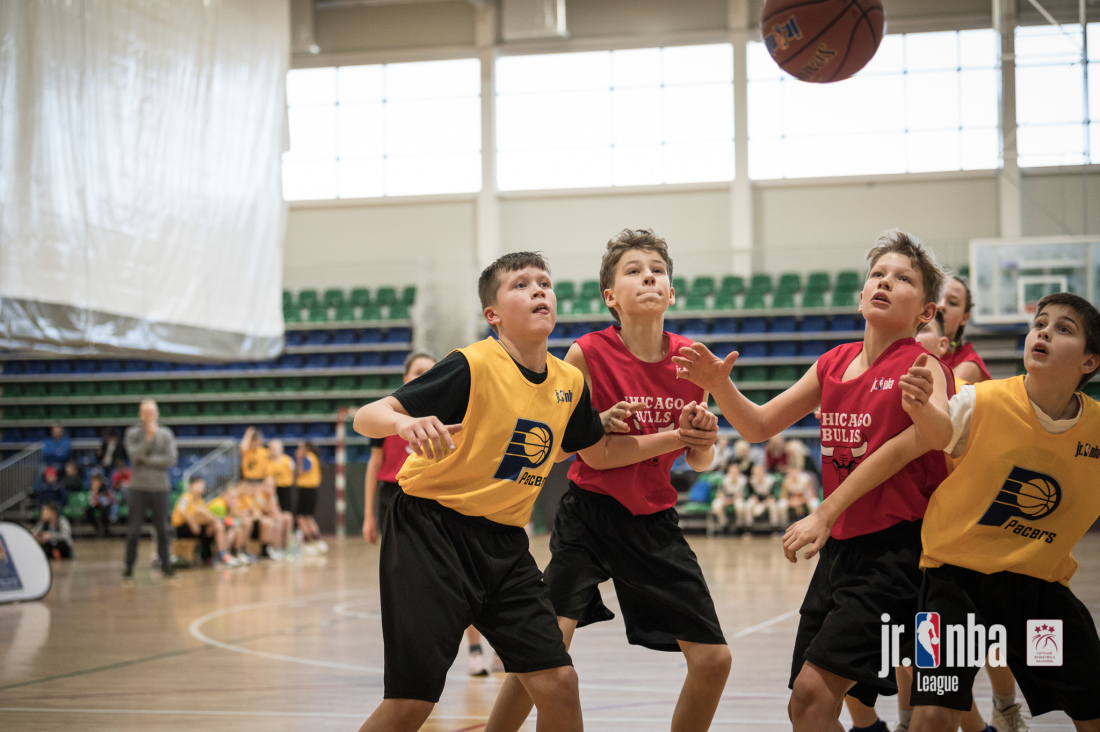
(227, 508)
(486, 424)
(309, 477)
(193, 520)
(255, 458)
(281, 467)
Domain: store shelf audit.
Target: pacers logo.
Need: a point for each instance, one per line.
(1026, 495)
(928, 640)
(528, 448)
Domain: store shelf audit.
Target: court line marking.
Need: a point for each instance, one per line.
(108, 667)
(767, 623)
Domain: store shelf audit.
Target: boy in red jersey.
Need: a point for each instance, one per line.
(486, 425)
(869, 566)
(621, 523)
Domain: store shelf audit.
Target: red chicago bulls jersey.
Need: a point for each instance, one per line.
(618, 375)
(961, 355)
(857, 418)
(395, 450)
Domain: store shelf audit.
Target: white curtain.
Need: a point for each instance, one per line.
(140, 199)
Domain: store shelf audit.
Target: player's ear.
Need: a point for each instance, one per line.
(1090, 363)
(928, 313)
(945, 345)
(491, 316)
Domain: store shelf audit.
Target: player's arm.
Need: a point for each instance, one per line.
(701, 458)
(370, 491)
(613, 419)
(924, 398)
(755, 423)
(616, 451)
(427, 435)
(969, 372)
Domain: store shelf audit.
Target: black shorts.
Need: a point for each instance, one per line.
(1015, 601)
(307, 502)
(286, 497)
(386, 492)
(442, 571)
(256, 529)
(183, 531)
(855, 582)
(660, 587)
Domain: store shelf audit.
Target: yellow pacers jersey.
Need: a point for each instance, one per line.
(510, 439)
(952, 462)
(311, 471)
(255, 463)
(1020, 497)
(282, 470)
(185, 506)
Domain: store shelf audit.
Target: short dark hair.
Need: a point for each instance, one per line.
(895, 241)
(195, 479)
(623, 242)
(1090, 318)
(415, 355)
(53, 506)
(489, 281)
(937, 319)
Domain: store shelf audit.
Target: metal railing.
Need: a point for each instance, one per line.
(220, 468)
(18, 474)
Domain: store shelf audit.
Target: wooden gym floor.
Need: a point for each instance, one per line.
(299, 646)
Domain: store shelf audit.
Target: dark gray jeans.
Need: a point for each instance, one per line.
(157, 504)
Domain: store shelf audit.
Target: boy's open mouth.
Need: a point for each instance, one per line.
(880, 297)
(542, 309)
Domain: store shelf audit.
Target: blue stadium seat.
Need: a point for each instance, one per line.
(694, 327)
(187, 430)
(291, 361)
(784, 349)
(260, 365)
(399, 335)
(561, 330)
(320, 429)
(783, 324)
(370, 359)
(237, 430)
(12, 368)
(723, 423)
(721, 350)
(289, 429)
(60, 366)
(813, 323)
(559, 351)
(809, 421)
(133, 364)
(294, 337)
(237, 365)
(344, 336)
(188, 460)
(11, 434)
(812, 348)
(343, 360)
(317, 361)
(754, 324)
(84, 366)
(317, 337)
(725, 325)
(846, 322)
(83, 433)
(110, 365)
(754, 350)
(370, 335)
(214, 430)
(396, 358)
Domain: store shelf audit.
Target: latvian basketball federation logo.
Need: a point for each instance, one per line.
(529, 448)
(928, 640)
(1025, 494)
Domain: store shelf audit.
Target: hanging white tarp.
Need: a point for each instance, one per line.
(140, 196)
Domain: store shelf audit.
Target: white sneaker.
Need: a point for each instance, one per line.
(321, 546)
(277, 554)
(1008, 720)
(310, 550)
(228, 560)
(475, 665)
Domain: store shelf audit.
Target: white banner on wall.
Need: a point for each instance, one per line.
(140, 178)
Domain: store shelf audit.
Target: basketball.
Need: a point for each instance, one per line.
(822, 40)
(538, 445)
(1037, 498)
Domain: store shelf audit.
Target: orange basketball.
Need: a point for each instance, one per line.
(822, 40)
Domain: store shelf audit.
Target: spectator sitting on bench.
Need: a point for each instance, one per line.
(102, 504)
(56, 448)
(53, 532)
(48, 489)
(193, 520)
(729, 493)
(72, 477)
(759, 498)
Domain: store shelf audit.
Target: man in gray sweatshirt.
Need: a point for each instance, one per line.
(152, 451)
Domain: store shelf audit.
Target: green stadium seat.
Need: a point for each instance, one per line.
(290, 406)
(386, 296)
(318, 314)
(291, 383)
(813, 299)
(783, 300)
(34, 411)
(754, 301)
(344, 314)
(82, 388)
(756, 396)
(238, 408)
(107, 388)
(754, 373)
(333, 298)
(849, 280)
(319, 406)
(264, 383)
(308, 299)
(12, 412)
(60, 389)
(288, 299)
(371, 312)
(12, 391)
(292, 315)
(372, 382)
(964, 272)
(34, 389)
(408, 295)
(185, 386)
(680, 284)
(785, 373)
(725, 301)
(213, 409)
(343, 383)
(789, 282)
(263, 407)
(215, 386)
(316, 383)
(187, 409)
(565, 290)
(400, 311)
(703, 285)
(843, 299)
(732, 285)
(581, 306)
(159, 386)
(77, 506)
(590, 290)
(760, 284)
(116, 411)
(818, 282)
(84, 411)
(135, 387)
(360, 297)
(695, 302)
(393, 381)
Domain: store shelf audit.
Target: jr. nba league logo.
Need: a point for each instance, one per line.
(938, 648)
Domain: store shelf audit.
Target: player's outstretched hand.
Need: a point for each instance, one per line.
(699, 366)
(916, 385)
(697, 437)
(614, 419)
(428, 436)
(812, 531)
